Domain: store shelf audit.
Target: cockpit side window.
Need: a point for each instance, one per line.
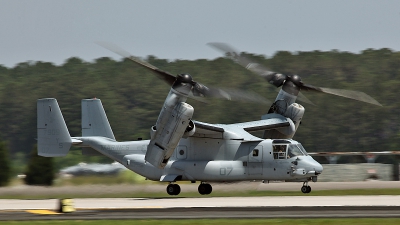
(294, 150)
(279, 151)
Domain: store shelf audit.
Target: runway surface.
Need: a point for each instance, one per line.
(209, 213)
(218, 207)
(304, 206)
(176, 202)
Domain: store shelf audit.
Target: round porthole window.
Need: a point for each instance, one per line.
(181, 152)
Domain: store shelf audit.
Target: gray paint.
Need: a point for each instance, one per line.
(53, 135)
(208, 155)
(94, 119)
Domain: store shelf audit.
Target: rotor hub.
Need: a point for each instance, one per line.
(183, 83)
(184, 78)
(296, 79)
(277, 79)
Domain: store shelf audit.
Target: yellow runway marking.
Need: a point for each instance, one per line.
(43, 212)
(114, 208)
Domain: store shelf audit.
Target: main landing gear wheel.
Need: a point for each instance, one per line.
(173, 189)
(205, 189)
(306, 189)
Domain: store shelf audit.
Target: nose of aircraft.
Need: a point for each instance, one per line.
(314, 166)
(318, 167)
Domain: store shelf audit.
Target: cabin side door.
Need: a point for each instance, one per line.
(255, 160)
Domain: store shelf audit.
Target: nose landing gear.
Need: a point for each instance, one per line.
(305, 189)
(173, 189)
(205, 189)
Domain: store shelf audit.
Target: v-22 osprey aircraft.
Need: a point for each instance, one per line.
(181, 149)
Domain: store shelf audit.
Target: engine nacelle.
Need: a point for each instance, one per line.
(190, 130)
(170, 128)
(295, 112)
(153, 130)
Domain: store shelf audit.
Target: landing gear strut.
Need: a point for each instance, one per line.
(173, 189)
(305, 189)
(205, 189)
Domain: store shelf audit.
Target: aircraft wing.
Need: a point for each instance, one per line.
(268, 122)
(207, 128)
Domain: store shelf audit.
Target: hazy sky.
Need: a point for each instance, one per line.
(53, 31)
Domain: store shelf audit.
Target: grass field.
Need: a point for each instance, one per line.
(363, 221)
(129, 186)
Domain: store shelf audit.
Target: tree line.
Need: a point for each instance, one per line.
(133, 97)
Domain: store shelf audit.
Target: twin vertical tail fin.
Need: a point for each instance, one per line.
(94, 119)
(53, 136)
(94, 123)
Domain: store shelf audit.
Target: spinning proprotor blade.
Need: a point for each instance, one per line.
(198, 89)
(296, 84)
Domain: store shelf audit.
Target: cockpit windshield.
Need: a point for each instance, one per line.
(294, 150)
(302, 149)
(287, 151)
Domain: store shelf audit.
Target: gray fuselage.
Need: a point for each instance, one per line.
(215, 159)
